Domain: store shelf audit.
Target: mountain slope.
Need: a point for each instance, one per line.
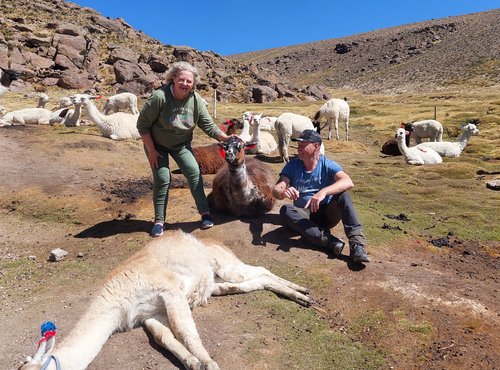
(442, 53)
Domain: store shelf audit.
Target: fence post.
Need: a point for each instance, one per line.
(435, 113)
(215, 103)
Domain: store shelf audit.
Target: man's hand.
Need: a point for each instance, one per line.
(314, 202)
(290, 193)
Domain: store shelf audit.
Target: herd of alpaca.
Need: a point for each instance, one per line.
(156, 288)
(430, 152)
(116, 126)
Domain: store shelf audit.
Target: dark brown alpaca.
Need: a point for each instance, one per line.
(244, 186)
(208, 156)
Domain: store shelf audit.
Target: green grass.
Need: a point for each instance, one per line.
(307, 341)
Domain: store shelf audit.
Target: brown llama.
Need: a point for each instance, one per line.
(244, 186)
(208, 156)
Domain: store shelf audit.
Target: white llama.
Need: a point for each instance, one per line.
(69, 117)
(334, 110)
(452, 149)
(245, 132)
(265, 141)
(156, 288)
(290, 125)
(414, 155)
(121, 101)
(116, 126)
(427, 128)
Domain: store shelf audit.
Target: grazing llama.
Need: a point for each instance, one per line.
(334, 110)
(290, 125)
(244, 186)
(156, 288)
(429, 128)
(119, 102)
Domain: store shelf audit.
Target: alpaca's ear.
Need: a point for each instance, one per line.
(43, 351)
(46, 343)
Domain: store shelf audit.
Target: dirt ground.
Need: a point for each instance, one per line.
(75, 190)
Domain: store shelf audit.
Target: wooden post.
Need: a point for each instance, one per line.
(215, 103)
(435, 113)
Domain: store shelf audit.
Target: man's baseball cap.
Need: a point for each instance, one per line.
(310, 136)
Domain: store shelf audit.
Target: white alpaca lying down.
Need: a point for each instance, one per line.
(415, 155)
(156, 288)
(452, 149)
(33, 116)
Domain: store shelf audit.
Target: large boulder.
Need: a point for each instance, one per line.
(263, 94)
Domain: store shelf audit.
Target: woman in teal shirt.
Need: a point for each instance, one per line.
(166, 124)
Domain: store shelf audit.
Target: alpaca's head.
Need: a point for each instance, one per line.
(233, 150)
(471, 128)
(401, 134)
(407, 132)
(42, 98)
(231, 125)
(43, 356)
(407, 126)
(256, 119)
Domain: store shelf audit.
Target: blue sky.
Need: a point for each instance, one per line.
(230, 27)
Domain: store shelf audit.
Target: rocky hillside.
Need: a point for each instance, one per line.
(81, 49)
(453, 52)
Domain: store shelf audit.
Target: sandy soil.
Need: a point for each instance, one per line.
(72, 189)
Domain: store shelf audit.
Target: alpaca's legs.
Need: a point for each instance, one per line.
(184, 329)
(347, 129)
(242, 278)
(284, 151)
(164, 337)
(260, 283)
(337, 128)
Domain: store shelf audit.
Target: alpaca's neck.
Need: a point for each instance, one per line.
(75, 115)
(464, 139)
(77, 112)
(239, 180)
(402, 146)
(96, 117)
(256, 133)
(85, 341)
(246, 128)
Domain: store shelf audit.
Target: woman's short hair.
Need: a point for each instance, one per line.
(182, 66)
